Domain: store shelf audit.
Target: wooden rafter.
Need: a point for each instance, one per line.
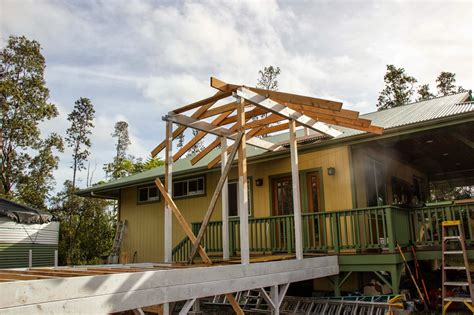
(199, 136)
(284, 111)
(205, 101)
(219, 110)
(201, 125)
(287, 97)
(250, 114)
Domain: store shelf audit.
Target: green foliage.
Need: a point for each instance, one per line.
(123, 139)
(24, 104)
(180, 143)
(87, 227)
(424, 93)
(446, 84)
(398, 88)
(197, 147)
(78, 134)
(34, 188)
(268, 78)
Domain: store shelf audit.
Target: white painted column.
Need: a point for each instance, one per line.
(225, 202)
(296, 190)
(168, 223)
(243, 189)
(30, 258)
(275, 297)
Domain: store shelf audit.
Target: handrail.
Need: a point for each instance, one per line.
(362, 229)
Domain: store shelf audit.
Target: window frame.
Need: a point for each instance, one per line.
(187, 180)
(158, 199)
(250, 197)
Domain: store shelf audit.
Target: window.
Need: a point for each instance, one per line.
(233, 199)
(282, 195)
(148, 194)
(375, 183)
(188, 187)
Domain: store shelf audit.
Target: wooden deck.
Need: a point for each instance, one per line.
(114, 288)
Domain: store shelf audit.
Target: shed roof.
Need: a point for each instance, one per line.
(434, 109)
(23, 214)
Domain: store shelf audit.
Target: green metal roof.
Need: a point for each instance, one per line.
(390, 119)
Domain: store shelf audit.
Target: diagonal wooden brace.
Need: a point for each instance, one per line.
(181, 220)
(216, 194)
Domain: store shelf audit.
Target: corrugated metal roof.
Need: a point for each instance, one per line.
(436, 108)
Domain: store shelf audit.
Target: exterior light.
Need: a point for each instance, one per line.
(259, 182)
(331, 171)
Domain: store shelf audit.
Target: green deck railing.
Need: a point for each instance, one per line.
(338, 231)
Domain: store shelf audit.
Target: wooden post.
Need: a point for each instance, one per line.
(243, 189)
(30, 258)
(56, 258)
(225, 202)
(168, 228)
(296, 190)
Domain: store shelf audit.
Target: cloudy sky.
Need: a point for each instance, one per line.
(137, 59)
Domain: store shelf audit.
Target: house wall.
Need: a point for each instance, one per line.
(144, 233)
(393, 166)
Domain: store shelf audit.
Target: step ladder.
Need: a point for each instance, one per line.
(457, 236)
(115, 252)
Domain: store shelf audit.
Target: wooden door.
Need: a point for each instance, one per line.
(282, 193)
(314, 226)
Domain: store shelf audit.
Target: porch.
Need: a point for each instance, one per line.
(365, 239)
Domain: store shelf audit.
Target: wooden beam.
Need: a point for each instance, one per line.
(229, 107)
(198, 137)
(215, 196)
(250, 114)
(272, 118)
(187, 306)
(201, 125)
(243, 190)
(271, 129)
(343, 113)
(205, 101)
(197, 114)
(168, 218)
(286, 112)
(225, 202)
(296, 190)
(287, 97)
(182, 221)
(235, 305)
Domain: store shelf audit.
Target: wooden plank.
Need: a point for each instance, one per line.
(296, 190)
(119, 292)
(343, 113)
(168, 219)
(249, 114)
(198, 137)
(197, 114)
(275, 128)
(249, 136)
(284, 111)
(201, 125)
(229, 107)
(21, 276)
(272, 118)
(235, 305)
(287, 97)
(49, 272)
(182, 221)
(215, 196)
(205, 101)
(225, 202)
(243, 191)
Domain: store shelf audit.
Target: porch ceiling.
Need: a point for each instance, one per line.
(444, 153)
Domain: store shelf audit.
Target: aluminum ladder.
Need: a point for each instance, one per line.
(456, 226)
(115, 252)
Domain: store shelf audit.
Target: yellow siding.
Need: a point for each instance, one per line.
(145, 221)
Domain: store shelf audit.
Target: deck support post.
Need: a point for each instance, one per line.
(277, 294)
(395, 275)
(243, 189)
(168, 224)
(225, 202)
(296, 190)
(187, 306)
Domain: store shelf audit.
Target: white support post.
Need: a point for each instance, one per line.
(296, 190)
(56, 258)
(187, 306)
(225, 203)
(168, 230)
(243, 189)
(30, 258)
(275, 299)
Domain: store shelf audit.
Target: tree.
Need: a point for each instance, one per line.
(268, 78)
(35, 186)
(398, 88)
(180, 143)
(445, 83)
(24, 101)
(424, 93)
(197, 147)
(121, 165)
(78, 134)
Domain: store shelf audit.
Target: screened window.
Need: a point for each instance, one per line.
(188, 187)
(148, 194)
(375, 184)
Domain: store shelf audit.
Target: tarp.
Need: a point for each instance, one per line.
(23, 214)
